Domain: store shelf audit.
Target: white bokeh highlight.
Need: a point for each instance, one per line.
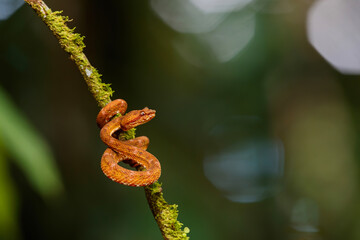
(216, 31)
(230, 37)
(184, 17)
(334, 31)
(215, 6)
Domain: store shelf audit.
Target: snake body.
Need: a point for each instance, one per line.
(131, 151)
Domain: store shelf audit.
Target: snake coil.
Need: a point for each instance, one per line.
(131, 151)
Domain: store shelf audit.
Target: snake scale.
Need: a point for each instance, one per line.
(131, 151)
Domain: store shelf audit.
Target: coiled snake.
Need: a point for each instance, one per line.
(131, 151)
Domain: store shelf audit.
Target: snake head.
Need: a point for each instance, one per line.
(136, 117)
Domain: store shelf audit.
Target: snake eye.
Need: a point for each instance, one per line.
(142, 113)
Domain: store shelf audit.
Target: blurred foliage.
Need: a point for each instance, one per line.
(28, 149)
(8, 201)
(31, 153)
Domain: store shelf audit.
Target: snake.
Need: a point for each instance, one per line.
(133, 151)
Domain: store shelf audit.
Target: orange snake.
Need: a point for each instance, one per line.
(131, 151)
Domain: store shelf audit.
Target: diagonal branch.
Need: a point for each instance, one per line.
(164, 214)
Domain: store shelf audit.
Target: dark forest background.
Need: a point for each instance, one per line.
(257, 127)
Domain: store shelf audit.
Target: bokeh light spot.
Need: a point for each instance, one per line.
(333, 30)
(231, 36)
(8, 7)
(305, 216)
(213, 6)
(183, 16)
(242, 162)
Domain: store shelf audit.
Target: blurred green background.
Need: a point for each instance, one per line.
(257, 126)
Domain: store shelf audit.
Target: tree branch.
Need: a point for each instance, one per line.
(164, 214)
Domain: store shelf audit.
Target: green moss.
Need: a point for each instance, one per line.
(128, 134)
(165, 214)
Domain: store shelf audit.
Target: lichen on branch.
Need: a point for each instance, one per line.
(164, 213)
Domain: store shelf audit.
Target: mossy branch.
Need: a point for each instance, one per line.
(164, 214)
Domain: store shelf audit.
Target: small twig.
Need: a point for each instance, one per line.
(164, 214)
